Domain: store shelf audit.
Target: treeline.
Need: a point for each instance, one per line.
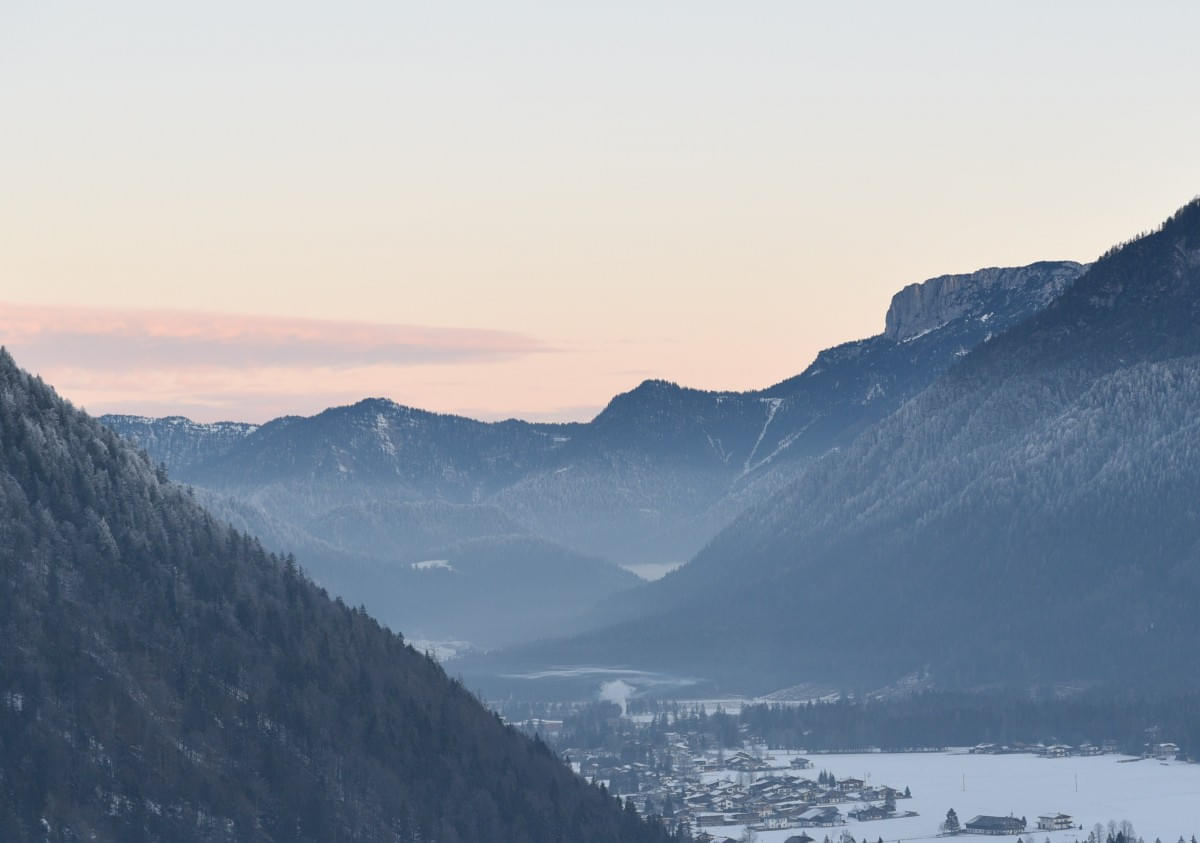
(939, 719)
(162, 678)
(599, 726)
(928, 720)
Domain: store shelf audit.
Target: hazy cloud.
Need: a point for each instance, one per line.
(140, 339)
(228, 366)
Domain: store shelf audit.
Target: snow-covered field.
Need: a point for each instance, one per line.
(1160, 800)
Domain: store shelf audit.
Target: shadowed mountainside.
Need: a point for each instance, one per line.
(1030, 517)
(164, 678)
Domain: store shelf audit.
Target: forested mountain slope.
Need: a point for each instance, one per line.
(181, 442)
(164, 678)
(1031, 517)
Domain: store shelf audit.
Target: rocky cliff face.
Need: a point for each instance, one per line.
(927, 306)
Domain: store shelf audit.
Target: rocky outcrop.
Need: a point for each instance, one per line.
(927, 306)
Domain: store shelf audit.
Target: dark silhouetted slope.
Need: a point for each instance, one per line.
(163, 678)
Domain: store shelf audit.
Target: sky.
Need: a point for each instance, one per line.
(237, 210)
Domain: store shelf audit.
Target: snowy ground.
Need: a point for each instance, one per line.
(1161, 800)
(443, 649)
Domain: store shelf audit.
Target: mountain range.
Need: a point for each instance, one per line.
(1030, 517)
(1009, 463)
(998, 491)
(454, 529)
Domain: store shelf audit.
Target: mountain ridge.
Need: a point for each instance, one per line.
(650, 480)
(929, 305)
(1056, 459)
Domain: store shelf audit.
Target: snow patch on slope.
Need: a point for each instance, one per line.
(927, 331)
(773, 405)
(383, 430)
(433, 565)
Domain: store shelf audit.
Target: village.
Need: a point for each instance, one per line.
(705, 790)
(706, 775)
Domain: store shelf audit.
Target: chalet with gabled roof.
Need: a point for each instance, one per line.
(826, 816)
(1055, 822)
(1166, 751)
(870, 812)
(984, 824)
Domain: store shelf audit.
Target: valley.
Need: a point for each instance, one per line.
(543, 523)
(599, 422)
(712, 771)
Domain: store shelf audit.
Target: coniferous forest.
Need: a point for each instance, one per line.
(1128, 722)
(162, 677)
(946, 718)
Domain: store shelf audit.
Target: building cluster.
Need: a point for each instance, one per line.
(1164, 751)
(702, 790)
(985, 824)
(1057, 750)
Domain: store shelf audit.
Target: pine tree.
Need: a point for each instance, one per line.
(951, 826)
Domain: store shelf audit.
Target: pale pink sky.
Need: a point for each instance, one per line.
(236, 210)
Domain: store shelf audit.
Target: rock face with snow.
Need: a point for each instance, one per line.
(925, 307)
(658, 473)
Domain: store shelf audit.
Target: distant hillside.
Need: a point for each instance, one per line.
(1031, 517)
(164, 678)
(182, 443)
(364, 492)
